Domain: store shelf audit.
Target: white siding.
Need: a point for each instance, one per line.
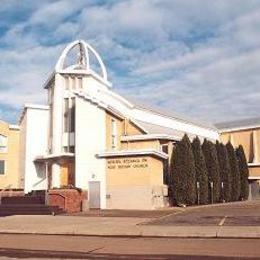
(90, 140)
(35, 140)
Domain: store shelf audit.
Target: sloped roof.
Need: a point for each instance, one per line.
(238, 124)
(156, 129)
(161, 111)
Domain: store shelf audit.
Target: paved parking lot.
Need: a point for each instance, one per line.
(229, 214)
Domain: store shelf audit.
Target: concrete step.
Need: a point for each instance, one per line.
(23, 200)
(25, 209)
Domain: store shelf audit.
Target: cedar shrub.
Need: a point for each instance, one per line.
(235, 174)
(210, 154)
(201, 171)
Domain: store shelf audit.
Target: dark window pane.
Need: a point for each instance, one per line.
(2, 167)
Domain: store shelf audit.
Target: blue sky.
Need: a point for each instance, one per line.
(196, 57)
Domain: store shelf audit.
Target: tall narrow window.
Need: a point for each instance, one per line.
(67, 83)
(2, 167)
(113, 133)
(80, 82)
(66, 115)
(72, 116)
(3, 144)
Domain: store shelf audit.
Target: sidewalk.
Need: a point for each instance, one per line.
(117, 226)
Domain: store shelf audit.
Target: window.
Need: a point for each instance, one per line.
(72, 116)
(2, 167)
(66, 115)
(165, 148)
(79, 82)
(67, 83)
(3, 144)
(113, 133)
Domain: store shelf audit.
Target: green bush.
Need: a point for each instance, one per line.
(210, 154)
(201, 171)
(225, 172)
(235, 174)
(243, 168)
(183, 173)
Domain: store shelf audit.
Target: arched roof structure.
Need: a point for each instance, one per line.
(85, 53)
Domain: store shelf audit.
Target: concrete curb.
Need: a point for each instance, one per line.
(240, 232)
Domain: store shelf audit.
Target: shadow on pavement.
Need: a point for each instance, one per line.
(25, 254)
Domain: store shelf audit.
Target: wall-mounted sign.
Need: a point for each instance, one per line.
(127, 163)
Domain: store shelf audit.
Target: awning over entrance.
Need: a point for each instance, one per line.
(52, 157)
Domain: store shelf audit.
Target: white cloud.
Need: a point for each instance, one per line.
(195, 56)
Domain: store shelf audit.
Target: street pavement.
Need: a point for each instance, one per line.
(13, 246)
(230, 220)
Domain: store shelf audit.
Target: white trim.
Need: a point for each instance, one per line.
(36, 106)
(14, 127)
(253, 164)
(107, 154)
(149, 137)
(32, 106)
(240, 128)
(254, 178)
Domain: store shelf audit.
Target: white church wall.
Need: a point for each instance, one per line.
(90, 140)
(35, 144)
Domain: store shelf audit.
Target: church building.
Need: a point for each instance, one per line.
(89, 137)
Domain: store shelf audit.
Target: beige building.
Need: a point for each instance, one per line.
(246, 133)
(9, 156)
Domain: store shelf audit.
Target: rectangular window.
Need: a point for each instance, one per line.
(72, 116)
(2, 167)
(3, 144)
(113, 133)
(165, 148)
(67, 83)
(66, 115)
(80, 82)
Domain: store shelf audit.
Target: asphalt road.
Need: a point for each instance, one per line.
(245, 213)
(80, 247)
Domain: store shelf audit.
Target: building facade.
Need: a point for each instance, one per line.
(246, 133)
(9, 156)
(89, 137)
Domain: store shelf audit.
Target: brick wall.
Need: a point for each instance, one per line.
(70, 200)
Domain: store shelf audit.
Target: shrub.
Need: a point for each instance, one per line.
(210, 154)
(183, 173)
(201, 171)
(225, 172)
(235, 174)
(243, 168)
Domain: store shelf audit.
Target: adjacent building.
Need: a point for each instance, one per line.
(246, 133)
(9, 156)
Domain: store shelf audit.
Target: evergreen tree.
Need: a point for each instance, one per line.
(243, 168)
(225, 172)
(210, 154)
(183, 173)
(235, 174)
(201, 171)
